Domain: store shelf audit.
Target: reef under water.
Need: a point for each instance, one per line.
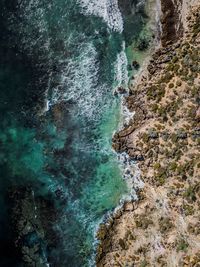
(60, 63)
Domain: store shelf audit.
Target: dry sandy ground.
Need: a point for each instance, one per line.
(163, 227)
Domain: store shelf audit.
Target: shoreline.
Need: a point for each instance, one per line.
(117, 235)
(123, 158)
(130, 171)
(134, 181)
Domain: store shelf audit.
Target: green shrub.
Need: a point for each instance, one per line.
(175, 59)
(122, 244)
(174, 138)
(144, 264)
(167, 78)
(165, 224)
(173, 166)
(157, 166)
(171, 85)
(145, 137)
(190, 194)
(180, 170)
(178, 83)
(143, 222)
(182, 245)
(188, 210)
(176, 68)
(160, 180)
(154, 107)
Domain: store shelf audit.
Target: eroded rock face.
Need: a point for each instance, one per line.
(172, 28)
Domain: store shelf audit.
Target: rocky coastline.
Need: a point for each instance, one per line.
(162, 227)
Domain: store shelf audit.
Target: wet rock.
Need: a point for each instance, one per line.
(128, 206)
(143, 44)
(165, 59)
(117, 214)
(135, 65)
(101, 234)
(118, 146)
(115, 93)
(129, 67)
(135, 155)
(151, 69)
(121, 90)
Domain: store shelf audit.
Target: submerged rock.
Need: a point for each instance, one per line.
(135, 64)
(121, 90)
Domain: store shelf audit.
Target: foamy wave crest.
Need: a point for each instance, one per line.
(76, 76)
(106, 9)
(130, 170)
(131, 174)
(31, 14)
(121, 73)
(121, 78)
(78, 82)
(127, 115)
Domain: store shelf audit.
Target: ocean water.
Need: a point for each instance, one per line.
(60, 63)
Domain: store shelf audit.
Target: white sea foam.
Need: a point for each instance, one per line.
(32, 15)
(121, 73)
(121, 78)
(130, 170)
(129, 167)
(78, 82)
(131, 174)
(78, 75)
(106, 9)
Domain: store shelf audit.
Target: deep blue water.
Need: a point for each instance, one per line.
(60, 62)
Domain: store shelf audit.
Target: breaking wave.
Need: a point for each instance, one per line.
(106, 9)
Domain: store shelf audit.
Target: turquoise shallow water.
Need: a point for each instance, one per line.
(66, 56)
